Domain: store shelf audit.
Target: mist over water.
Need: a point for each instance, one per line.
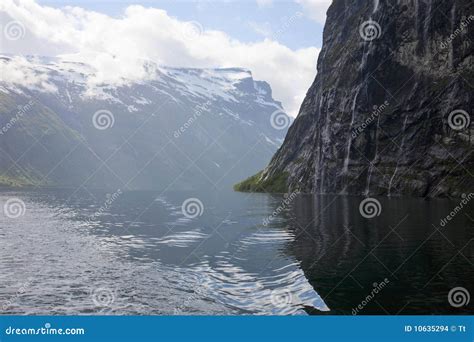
(139, 253)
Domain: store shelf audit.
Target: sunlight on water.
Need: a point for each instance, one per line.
(142, 256)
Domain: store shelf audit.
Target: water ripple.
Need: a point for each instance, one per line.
(181, 239)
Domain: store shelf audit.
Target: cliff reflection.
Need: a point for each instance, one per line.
(346, 257)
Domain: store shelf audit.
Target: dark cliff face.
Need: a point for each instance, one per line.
(390, 111)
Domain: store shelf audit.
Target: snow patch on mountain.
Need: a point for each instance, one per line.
(44, 73)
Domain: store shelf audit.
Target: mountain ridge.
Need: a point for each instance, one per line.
(125, 131)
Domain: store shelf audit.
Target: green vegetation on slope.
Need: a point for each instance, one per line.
(14, 182)
(276, 183)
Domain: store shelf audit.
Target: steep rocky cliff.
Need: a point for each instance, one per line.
(390, 111)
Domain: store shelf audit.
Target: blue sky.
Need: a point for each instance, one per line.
(244, 20)
(278, 41)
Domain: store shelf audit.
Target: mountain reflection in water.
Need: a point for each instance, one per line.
(245, 254)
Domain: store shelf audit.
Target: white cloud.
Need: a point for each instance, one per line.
(18, 71)
(264, 3)
(117, 47)
(315, 9)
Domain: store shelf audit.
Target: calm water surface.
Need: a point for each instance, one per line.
(75, 253)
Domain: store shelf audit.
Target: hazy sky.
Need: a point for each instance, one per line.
(277, 40)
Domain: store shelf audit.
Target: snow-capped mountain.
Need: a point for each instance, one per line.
(63, 123)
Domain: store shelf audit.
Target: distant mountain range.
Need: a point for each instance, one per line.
(177, 128)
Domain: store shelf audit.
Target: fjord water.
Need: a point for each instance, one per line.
(246, 254)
